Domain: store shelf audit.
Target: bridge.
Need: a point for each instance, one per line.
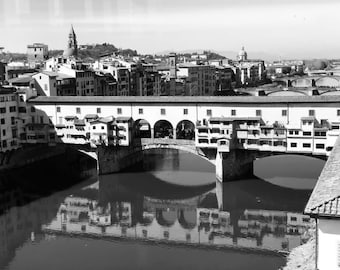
(231, 132)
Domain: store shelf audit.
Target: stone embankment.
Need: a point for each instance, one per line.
(303, 257)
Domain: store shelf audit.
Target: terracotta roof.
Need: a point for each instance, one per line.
(327, 189)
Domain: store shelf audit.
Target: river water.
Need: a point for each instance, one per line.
(170, 214)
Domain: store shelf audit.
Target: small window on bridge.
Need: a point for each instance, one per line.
(185, 111)
(209, 113)
(119, 110)
(338, 112)
(284, 112)
(311, 112)
(58, 109)
(320, 146)
(140, 111)
(162, 111)
(78, 110)
(258, 112)
(99, 110)
(233, 112)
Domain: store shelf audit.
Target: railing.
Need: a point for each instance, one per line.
(146, 141)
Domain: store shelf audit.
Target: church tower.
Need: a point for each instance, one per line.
(72, 46)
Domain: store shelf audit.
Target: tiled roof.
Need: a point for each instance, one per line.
(328, 208)
(327, 190)
(185, 99)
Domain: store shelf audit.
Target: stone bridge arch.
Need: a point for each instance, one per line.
(185, 129)
(163, 129)
(142, 129)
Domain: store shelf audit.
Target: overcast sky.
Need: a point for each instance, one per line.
(289, 28)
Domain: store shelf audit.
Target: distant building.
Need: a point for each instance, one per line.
(3, 72)
(252, 72)
(37, 54)
(46, 83)
(72, 45)
(9, 135)
(199, 79)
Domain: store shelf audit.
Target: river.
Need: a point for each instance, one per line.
(171, 213)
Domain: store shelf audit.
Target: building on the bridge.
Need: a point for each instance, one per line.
(37, 54)
(103, 131)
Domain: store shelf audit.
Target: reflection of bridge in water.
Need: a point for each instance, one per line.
(246, 217)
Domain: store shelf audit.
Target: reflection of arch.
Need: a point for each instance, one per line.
(303, 82)
(142, 128)
(331, 93)
(163, 129)
(185, 129)
(327, 82)
(146, 219)
(287, 93)
(188, 218)
(166, 218)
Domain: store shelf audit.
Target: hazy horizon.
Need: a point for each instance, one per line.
(290, 29)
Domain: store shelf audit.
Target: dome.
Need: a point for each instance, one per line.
(242, 55)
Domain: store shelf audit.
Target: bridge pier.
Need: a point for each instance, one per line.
(234, 165)
(113, 159)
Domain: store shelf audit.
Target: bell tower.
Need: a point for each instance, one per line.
(72, 46)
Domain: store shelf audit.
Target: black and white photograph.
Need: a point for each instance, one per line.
(169, 135)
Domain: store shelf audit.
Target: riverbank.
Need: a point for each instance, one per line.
(303, 257)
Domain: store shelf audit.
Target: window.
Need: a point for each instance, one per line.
(338, 112)
(209, 113)
(58, 109)
(119, 110)
(293, 219)
(32, 109)
(140, 111)
(306, 145)
(293, 144)
(103, 127)
(233, 112)
(94, 127)
(99, 110)
(311, 113)
(296, 132)
(284, 112)
(320, 146)
(12, 121)
(4, 132)
(258, 112)
(291, 132)
(78, 110)
(12, 109)
(162, 111)
(307, 133)
(2, 121)
(185, 111)
(3, 110)
(41, 119)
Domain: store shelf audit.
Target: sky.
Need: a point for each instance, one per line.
(286, 28)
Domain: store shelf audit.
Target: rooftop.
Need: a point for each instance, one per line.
(184, 99)
(325, 196)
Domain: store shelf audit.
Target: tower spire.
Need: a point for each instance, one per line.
(72, 46)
